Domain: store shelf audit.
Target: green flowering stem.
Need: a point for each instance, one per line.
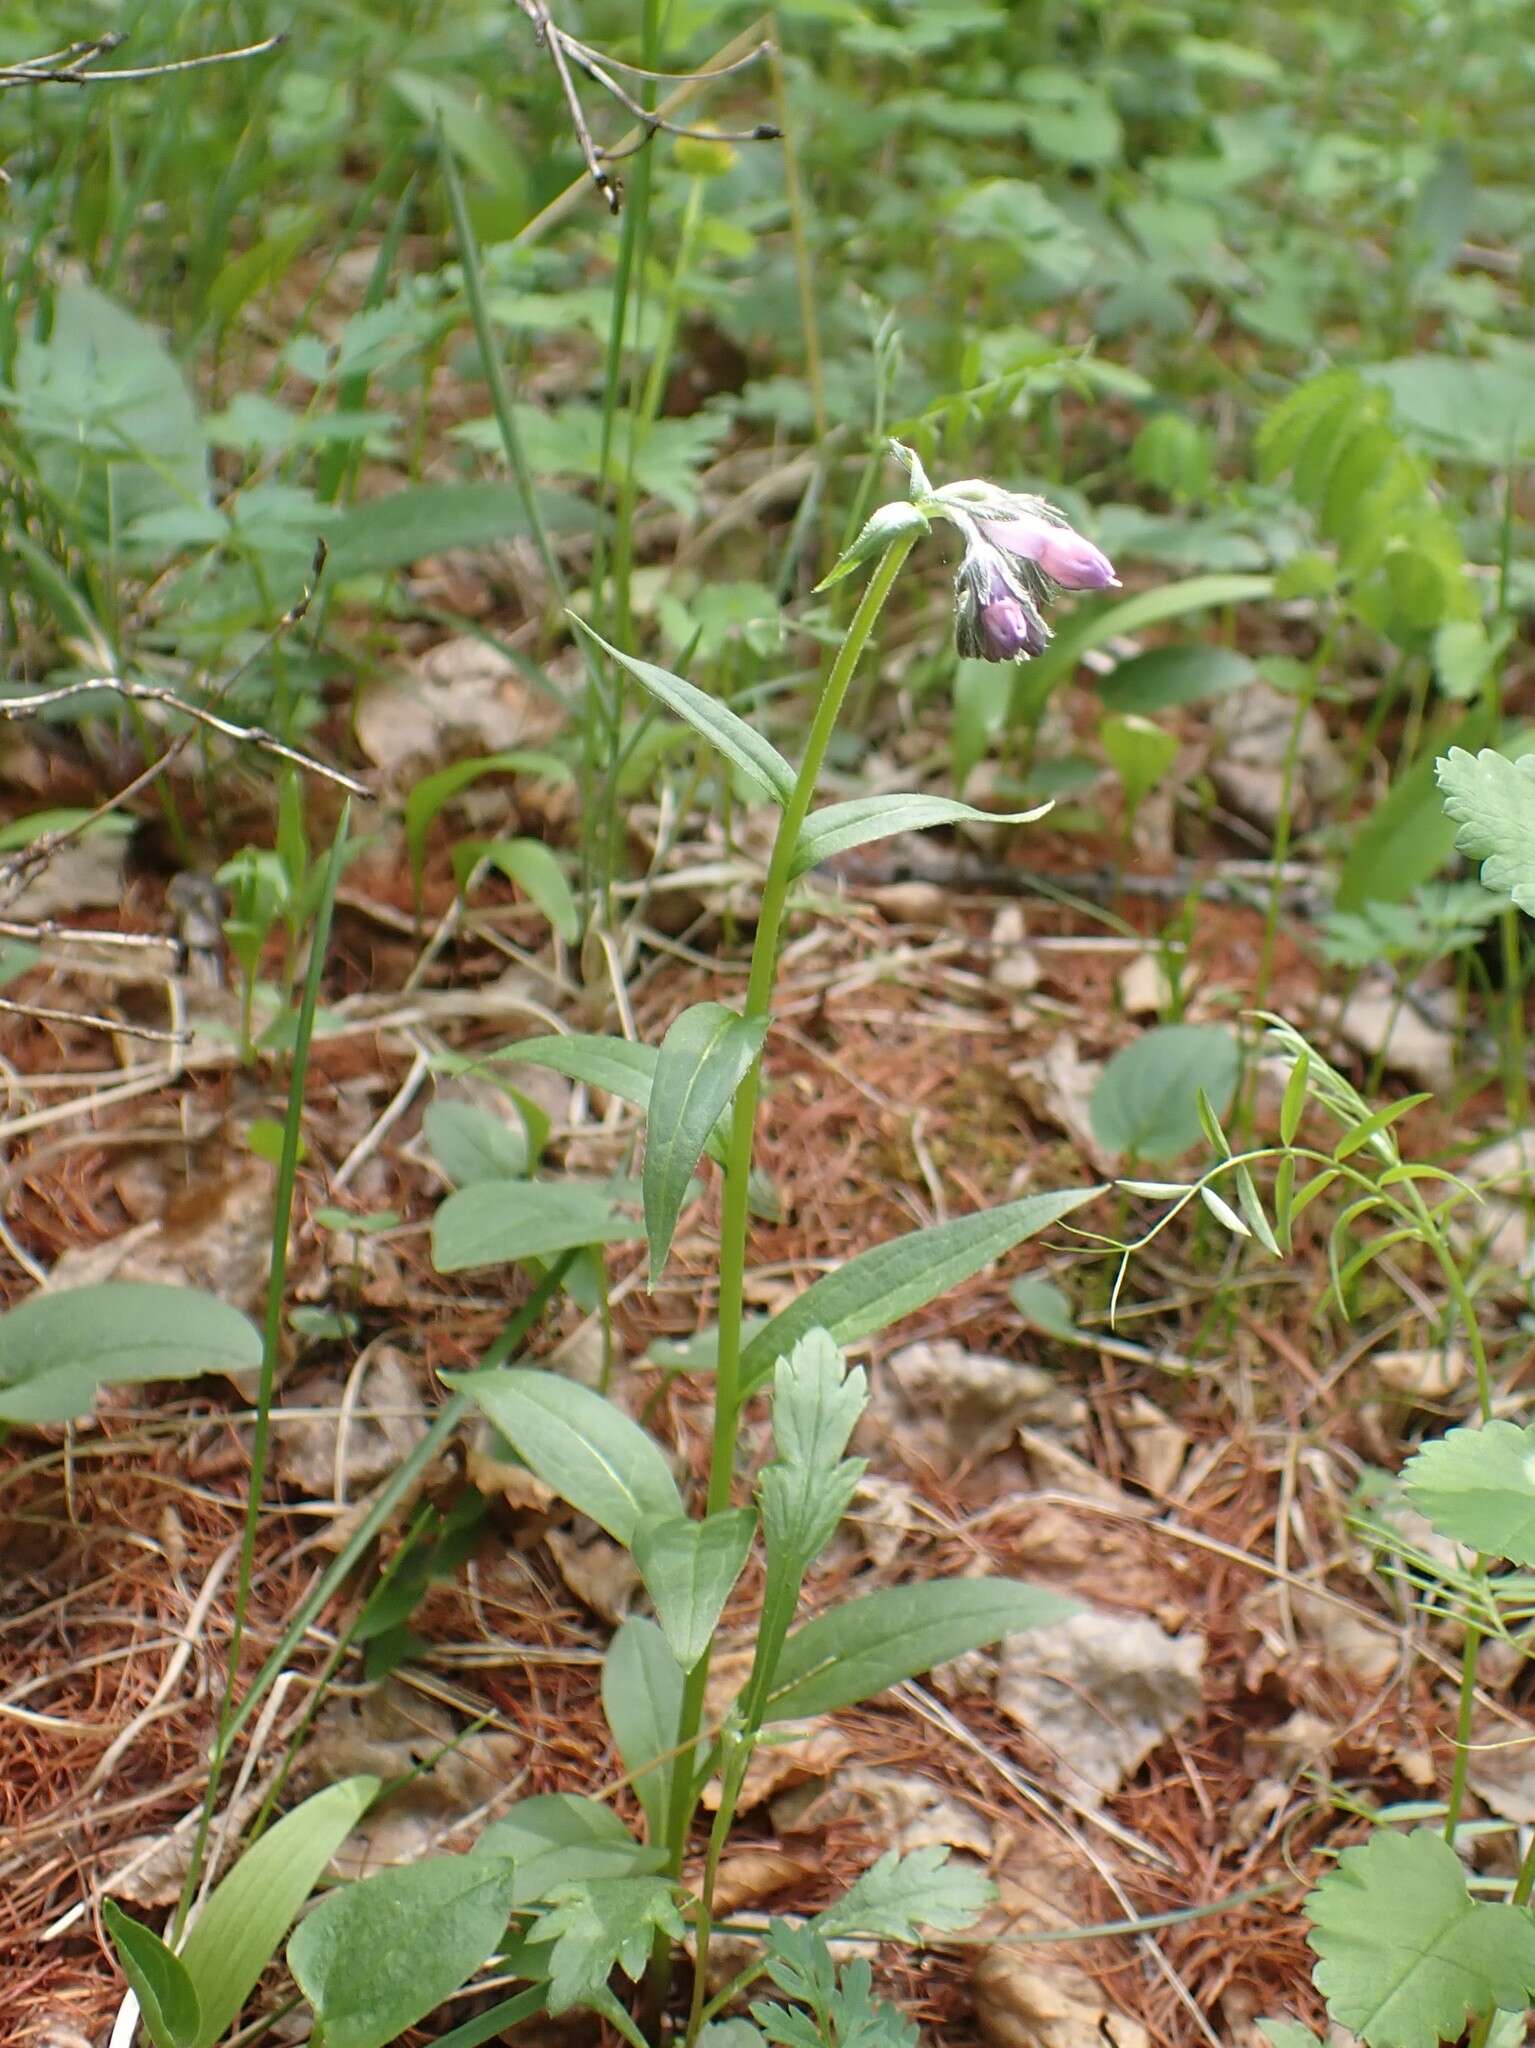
(735, 1215)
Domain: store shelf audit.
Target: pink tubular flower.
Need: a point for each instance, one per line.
(1058, 551)
(995, 616)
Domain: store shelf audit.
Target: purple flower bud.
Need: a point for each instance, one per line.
(1060, 552)
(1006, 632)
(995, 617)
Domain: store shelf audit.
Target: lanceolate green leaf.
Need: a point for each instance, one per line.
(377, 1956)
(741, 744)
(166, 1995)
(618, 1066)
(689, 1569)
(879, 1286)
(837, 828)
(857, 1650)
(241, 1928)
(591, 1453)
(702, 1061)
(57, 1349)
(428, 796)
(1094, 627)
(493, 1221)
(642, 1698)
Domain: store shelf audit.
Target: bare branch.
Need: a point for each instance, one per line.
(94, 1023)
(68, 67)
(566, 51)
(34, 929)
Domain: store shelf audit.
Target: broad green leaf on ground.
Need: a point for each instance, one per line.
(689, 1569)
(836, 828)
(741, 744)
(241, 1928)
(1478, 1487)
(642, 1698)
(1146, 1102)
(1287, 2034)
(1406, 1956)
(1165, 676)
(703, 1059)
(618, 1066)
(492, 1221)
(862, 1647)
(601, 1924)
(1492, 799)
(158, 1979)
(556, 1837)
(1094, 626)
(534, 869)
(590, 1452)
(1407, 838)
(380, 534)
(471, 1144)
(428, 796)
(57, 1349)
(899, 1896)
(877, 1287)
(375, 1957)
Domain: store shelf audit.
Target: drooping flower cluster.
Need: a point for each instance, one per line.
(1020, 554)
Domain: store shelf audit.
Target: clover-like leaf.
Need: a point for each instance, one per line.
(1478, 1486)
(1405, 1954)
(1492, 799)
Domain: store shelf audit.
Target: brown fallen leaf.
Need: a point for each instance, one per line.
(752, 1875)
(1019, 2004)
(462, 699)
(368, 1420)
(944, 1408)
(1057, 1085)
(601, 1574)
(901, 1809)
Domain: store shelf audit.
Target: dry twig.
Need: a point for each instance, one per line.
(71, 65)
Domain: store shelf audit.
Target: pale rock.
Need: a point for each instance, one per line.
(1101, 1692)
(1058, 1086)
(1015, 966)
(1427, 1375)
(1157, 1445)
(1252, 733)
(1145, 989)
(947, 1408)
(1375, 1021)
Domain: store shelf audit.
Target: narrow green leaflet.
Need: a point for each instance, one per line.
(703, 1059)
(618, 1066)
(537, 872)
(899, 1896)
(493, 1221)
(689, 1569)
(837, 828)
(857, 1650)
(166, 1995)
(1478, 1487)
(806, 1490)
(590, 1452)
(601, 1924)
(57, 1349)
(556, 1837)
(375, 1957)
(241, 1928)
(879, 1286)
(741, 744)
(1492, 799)
(1406, 1956)
(642, 1698)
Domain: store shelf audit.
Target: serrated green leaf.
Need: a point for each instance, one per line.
(376, 1956)
(1492, 799)
(642, 1698)
(806, 1490)
(1477, 1486)
(1406, 1955)
(493, 1221)
(158, 1979)
(689, 1569)
(240, 1929)
(56, 1349)
(601, 1924)
(556, 1837)
(741, 744)
(590, 1452)
(704, 1057)
(883, 526)
(877, 1287)
(899, 1896)
(836, 828)
(859, 1649)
